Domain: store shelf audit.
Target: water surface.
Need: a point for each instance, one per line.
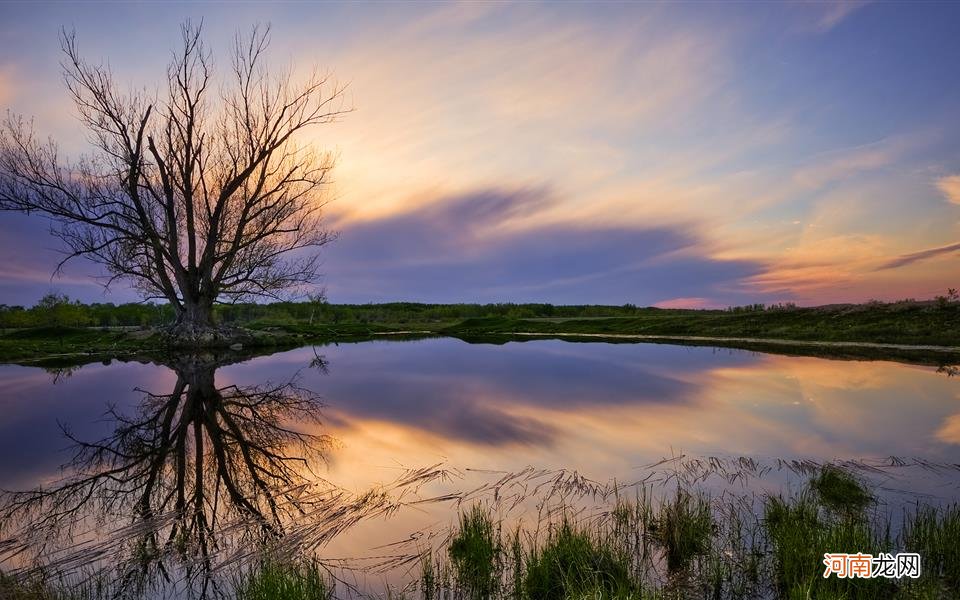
(380, 410)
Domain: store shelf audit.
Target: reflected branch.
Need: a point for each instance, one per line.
(188, 466)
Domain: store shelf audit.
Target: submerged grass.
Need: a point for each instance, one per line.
(840, 491)
(683, 527)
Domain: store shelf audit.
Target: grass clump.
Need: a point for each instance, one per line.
(800, 534)
(840, 491)
(574, 564)
(274, 579)
(475, 551)
(683, 527)
(935, 535)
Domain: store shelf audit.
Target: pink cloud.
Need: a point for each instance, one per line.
(686, 303)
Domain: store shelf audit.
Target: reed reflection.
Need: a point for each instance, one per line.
(195, 471)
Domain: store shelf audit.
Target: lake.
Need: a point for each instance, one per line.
(434, 424)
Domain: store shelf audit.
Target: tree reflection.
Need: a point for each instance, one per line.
(191, 467)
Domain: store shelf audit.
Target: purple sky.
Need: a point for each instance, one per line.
(675, 154)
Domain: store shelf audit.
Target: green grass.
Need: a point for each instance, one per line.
(476, 554)
(904, 323)
(911, 323)
(273, 579)
(935, 535)
(687, 546)
(840, 491)
(575, 563)
(800, 534)
(829, 516)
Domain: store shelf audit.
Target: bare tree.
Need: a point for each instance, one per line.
(196, 195)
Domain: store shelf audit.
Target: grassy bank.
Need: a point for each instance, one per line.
(899, 323)
(905, 323)
(66, 346)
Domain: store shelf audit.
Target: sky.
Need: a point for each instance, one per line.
(670, 154)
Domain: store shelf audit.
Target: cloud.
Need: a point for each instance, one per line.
(30, 256)
(487, 246)
(950, 186)
(836, 12)
(913, 257)
(684, 303)
(844, 163)
(949, 432)
(7, 84)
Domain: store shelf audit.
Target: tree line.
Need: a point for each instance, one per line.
(58, 310)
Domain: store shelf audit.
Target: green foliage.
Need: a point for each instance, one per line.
(273, 579)
(952, 297)
(906, 322)
(476, 554)
(573, 563)
(56, 310)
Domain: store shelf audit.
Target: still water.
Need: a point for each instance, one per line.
(364, 451)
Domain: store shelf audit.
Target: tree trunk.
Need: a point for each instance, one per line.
(195, 325)
(196, 315)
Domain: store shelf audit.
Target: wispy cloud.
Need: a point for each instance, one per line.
(950, 186)
(906, 259)
(463, 249)
(840, 164)
(836, 12)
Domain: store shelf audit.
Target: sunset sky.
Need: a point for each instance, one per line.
(684, 154)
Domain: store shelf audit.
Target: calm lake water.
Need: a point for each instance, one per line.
(470, 415)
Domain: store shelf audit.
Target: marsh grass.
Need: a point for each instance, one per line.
(840, 490)
(800, 532)
(574, 562)
(683, 527)
(278, 579)
(935, 535)
(689, 545)
(477, 553)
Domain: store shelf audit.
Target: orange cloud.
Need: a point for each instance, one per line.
(950, 186)
(685, 303)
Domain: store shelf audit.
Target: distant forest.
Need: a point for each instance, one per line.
(59, 310)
